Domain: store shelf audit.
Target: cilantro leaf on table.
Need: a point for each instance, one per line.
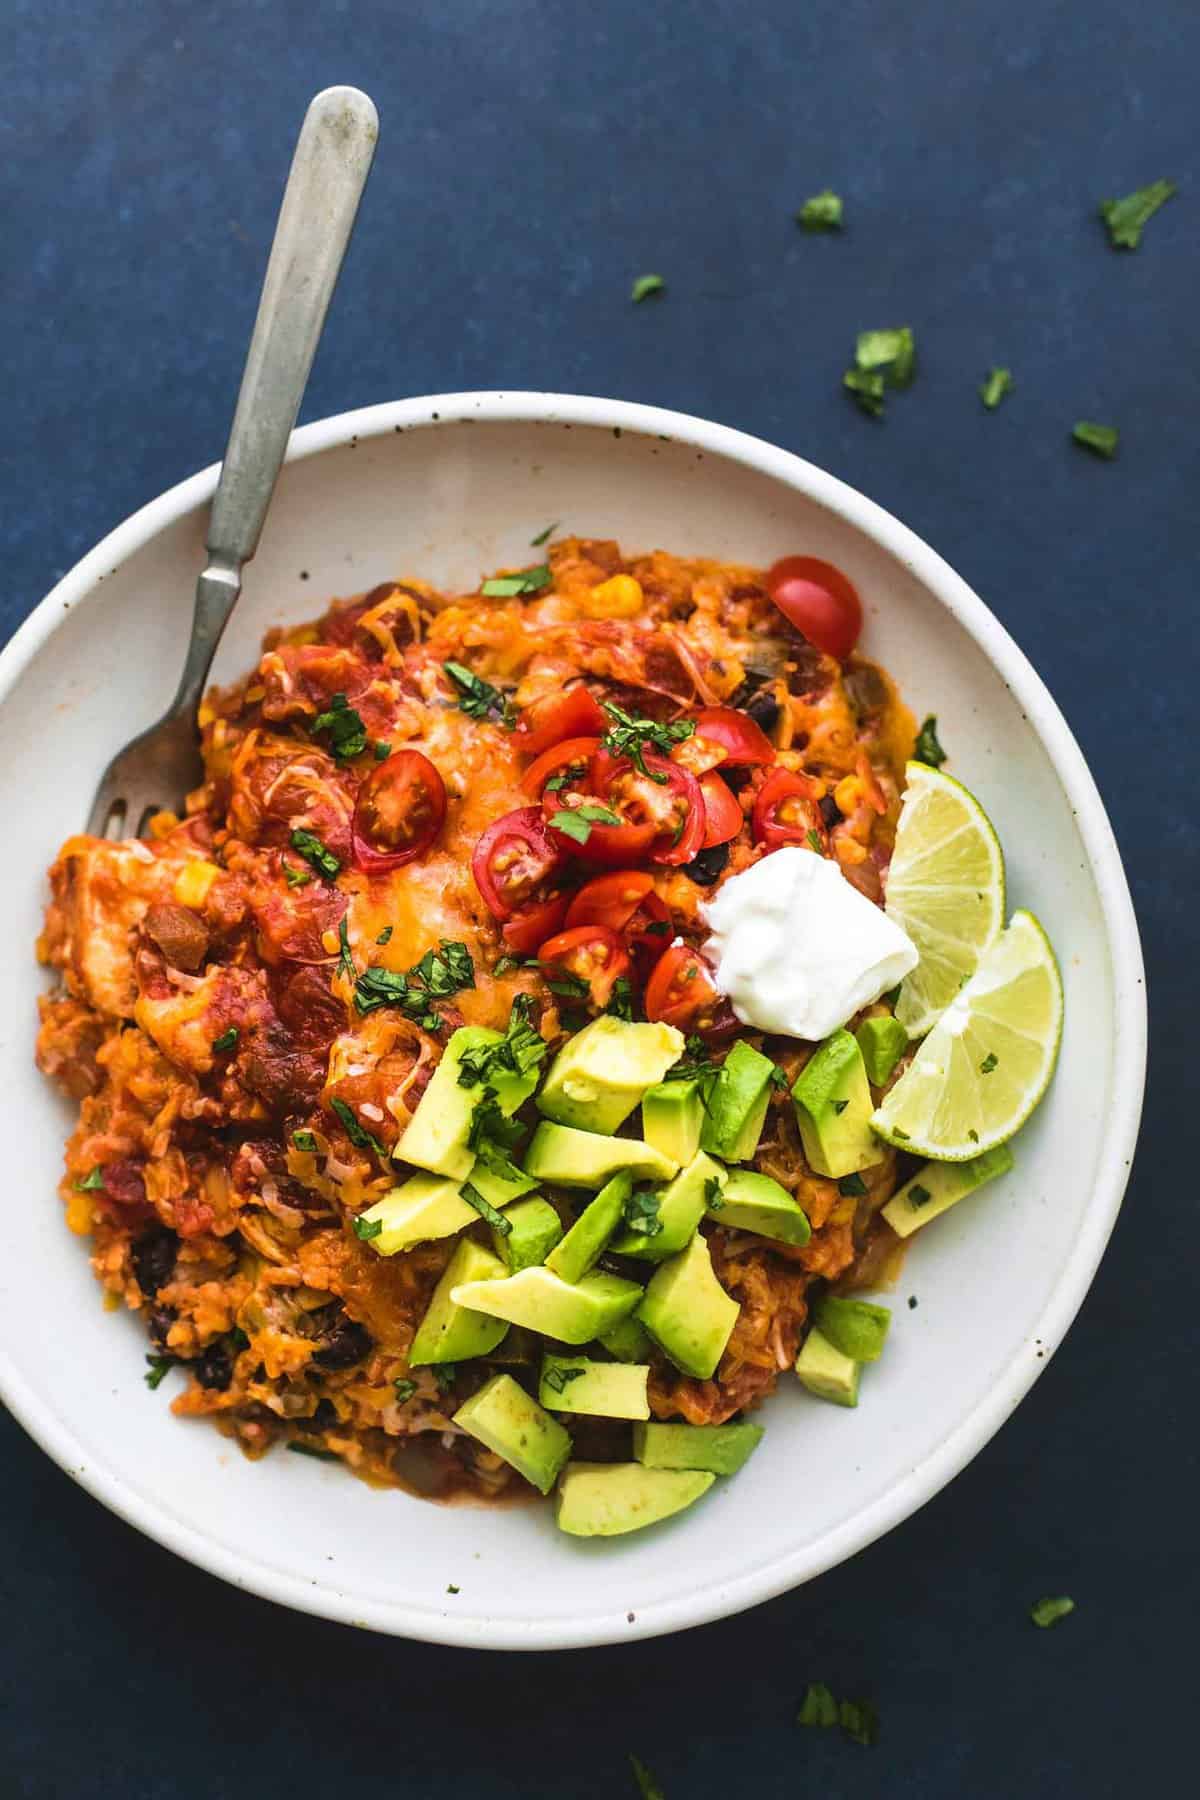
(1126, 219)
(821, 212)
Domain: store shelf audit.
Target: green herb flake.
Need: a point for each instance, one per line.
(641, 1213)
(839, 1106)
(345, 961)
(989, 1063)
(405, 1389)
(487, 1212)
(818, 1706)
(1125, 219)
(1050, 1609)
(304, 1140)
(382, 750)
(445, 1374)
(974, 1136)
(451, 1589)
(557, 1380)
(158, 1368)
(365, 1229)
(630, 736)
(505, 965)
(519, 1051)
(821, 212)
(814, 839)
(314, 1450)
(227, 1041)
(1101, 440)
(347, 733)
(313, 851)
(439, 974)
(867, 389)
(477, 697)
(385, 936)
(852, 1187)
(860, 1722)
(927, 750)
(918, 1195)
(577, 822)
(524, 581)
(86, 1184)
(999, 383)
(644, 286)
(893, 350)
(778, 1079)
(361, 1138)
(713, 1196)
(543, 537)
(296, 878)
(647, 1787)
(620, 1005)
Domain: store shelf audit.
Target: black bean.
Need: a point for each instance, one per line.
(831, 812)
(347, 1345)
(764, 709)
(154, 1259)
(159, 1320)
(708, 866)
(214, 1368)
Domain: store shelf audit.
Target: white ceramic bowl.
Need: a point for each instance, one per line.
(446, 488)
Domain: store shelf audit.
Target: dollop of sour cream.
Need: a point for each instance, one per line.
(797, 949)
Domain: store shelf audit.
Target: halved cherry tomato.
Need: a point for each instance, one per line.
(723, 817)
(648, 933)
(590, 954)
(514, 861)
(681, 990)
(527, 930)
(610, 900)
(558, 759)
(548, 721)
(667, 799)
(786, 812)
(398, 813)
(724, 735)
(819, 601)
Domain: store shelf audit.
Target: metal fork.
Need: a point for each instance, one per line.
(329, 171)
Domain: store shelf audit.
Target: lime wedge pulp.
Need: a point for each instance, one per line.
(988, 1060)
(945, 889)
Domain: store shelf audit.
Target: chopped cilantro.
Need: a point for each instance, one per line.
(778, 1079)
(882, 359)
(577, 823)
(1125, 219)
(1047, 1611)
(313, 1450)
(226, 1041)
(313, 851)
(657, 928)
(345, 961)
(477, 697)
(814, 839)
(999, 383)
(927, 750)
(867, 389)
(1101, 440)
(543, 537)
(358, 1135)
(405, 1389)
(492, 1133)
(712, 1193)
(695, 1064)
(385, 936)
(439, 974)
(525, 581)
(818, 1706)
(557, 1379)
(445, 1374)
(902, 1135)
(859, 1720)
(566, 985)
(86, 1184)
(451, 1589)
(159, 1367)
(382, 750)
(296, 877)
(974, 1136)
(347, 733)
(366, 1229)
(647, 1787)
(485, 1209)
(839, 1106)
(304, 1140)
(519, 1051)
(641, 1213)
(989, 1063)
(630, 736)
(620, 1003)
(851, 1187)
(645, 285)
(505, 965)
(919, 1195)
(822, 212)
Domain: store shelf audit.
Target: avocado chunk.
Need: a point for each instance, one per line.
(826, 1371)
(436, 1137)
(504, 1417)
(574, 1314)
(574, 1256)
(675, 1211)
(883, 1042)
(939, 1186)
(600, 1074)
(736, 1104)
(518, 1346)
(431, 1206)
(672, 1117)
(607, 1390)
(753, 1202)
(722, 1449)
(854, 1327)
(628, 1342)
(450, 1331)
(687, 1312)
(535, 1228)
(584, 1159)
(833, 1108)
(607, 1499)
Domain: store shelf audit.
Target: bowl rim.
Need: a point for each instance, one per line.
(700, 1604)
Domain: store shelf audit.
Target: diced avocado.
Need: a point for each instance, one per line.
(431, 1206)
(600, 1074)
(606, 1499)
(833, 1108)
(687, 1312)
(535, 1229)
(574, 1256)
(681, 1207)
(753, 1202)
(883, 1042)
(584, 1159)
(672, 1115)
(736, 1104)
(720, 1448)
(436, 1135)
(450, 1331)
(516, 1347)
(855, 1327)
(545, 1303)
(827, 1372)
(499, 1186)
(939, 1186)
(504, 1417)
(628, 1342)
(606, 1390)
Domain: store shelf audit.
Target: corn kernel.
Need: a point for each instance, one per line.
(193, 882)
(79, 1213)
(620, 597)
(849, 852)
(848, 793)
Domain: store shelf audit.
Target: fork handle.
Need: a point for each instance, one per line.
(329, 171)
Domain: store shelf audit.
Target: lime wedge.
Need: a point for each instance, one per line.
(988, 1060)
(945, 888)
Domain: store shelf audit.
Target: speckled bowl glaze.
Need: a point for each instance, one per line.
(445, 488)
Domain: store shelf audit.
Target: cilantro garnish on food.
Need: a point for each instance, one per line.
(1050, 1609)
(647, 1787)
(159, 1366)
(999, 383)
(499, 1224)
(385, 936)
(852, 1187)
(405, 1389)
(1101, 440)
(345, 961)
(857, 1718)
(304, 1140)
(525, 581)
(313, 851)
(886, 358)
(645, 286)
(927, 750)
(712, 1193)
(439, 974)
(543, 537)
(1125, 219)
(366, 1229)
(296, 877)
(989, 1063)
(641, 1212)
(313, 1450)
(620, 1004)
(577, 822)
(630, 736)
(87, 1183)
(519, 1051)
(227, 1040)
(821, 212)
(347, 733)
(557, 1379)
(477, 697)
(359, 1136)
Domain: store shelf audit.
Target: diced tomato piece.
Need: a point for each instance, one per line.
(610, 900)
(527, 930)
(400, 809)
(648, 933)
(515, 862)
(667, 799)
(786, 812)
(555, 717)
(572, 758)
(723, 817)
(590, 955)
(681, 990)
(724, 735)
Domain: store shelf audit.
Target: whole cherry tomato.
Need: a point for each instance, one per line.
(515, 862)
(681, 990)
(819, 601)
(786, 812)
(528, 929)
(723, 817)
(398, 813)
(590, 958)
(610, 900)
(571, 713)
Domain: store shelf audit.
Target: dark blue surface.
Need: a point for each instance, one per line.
(535, 157)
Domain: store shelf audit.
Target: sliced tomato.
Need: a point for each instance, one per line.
(723, 817)
(559, 759)
(667, 799)
(398, 813)
(786, 812)
(528, 929)
(681, 990)
(591, 955)
(819, 601)
(610, 900)
(515, 861)
(570, 714)
(724, 735)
